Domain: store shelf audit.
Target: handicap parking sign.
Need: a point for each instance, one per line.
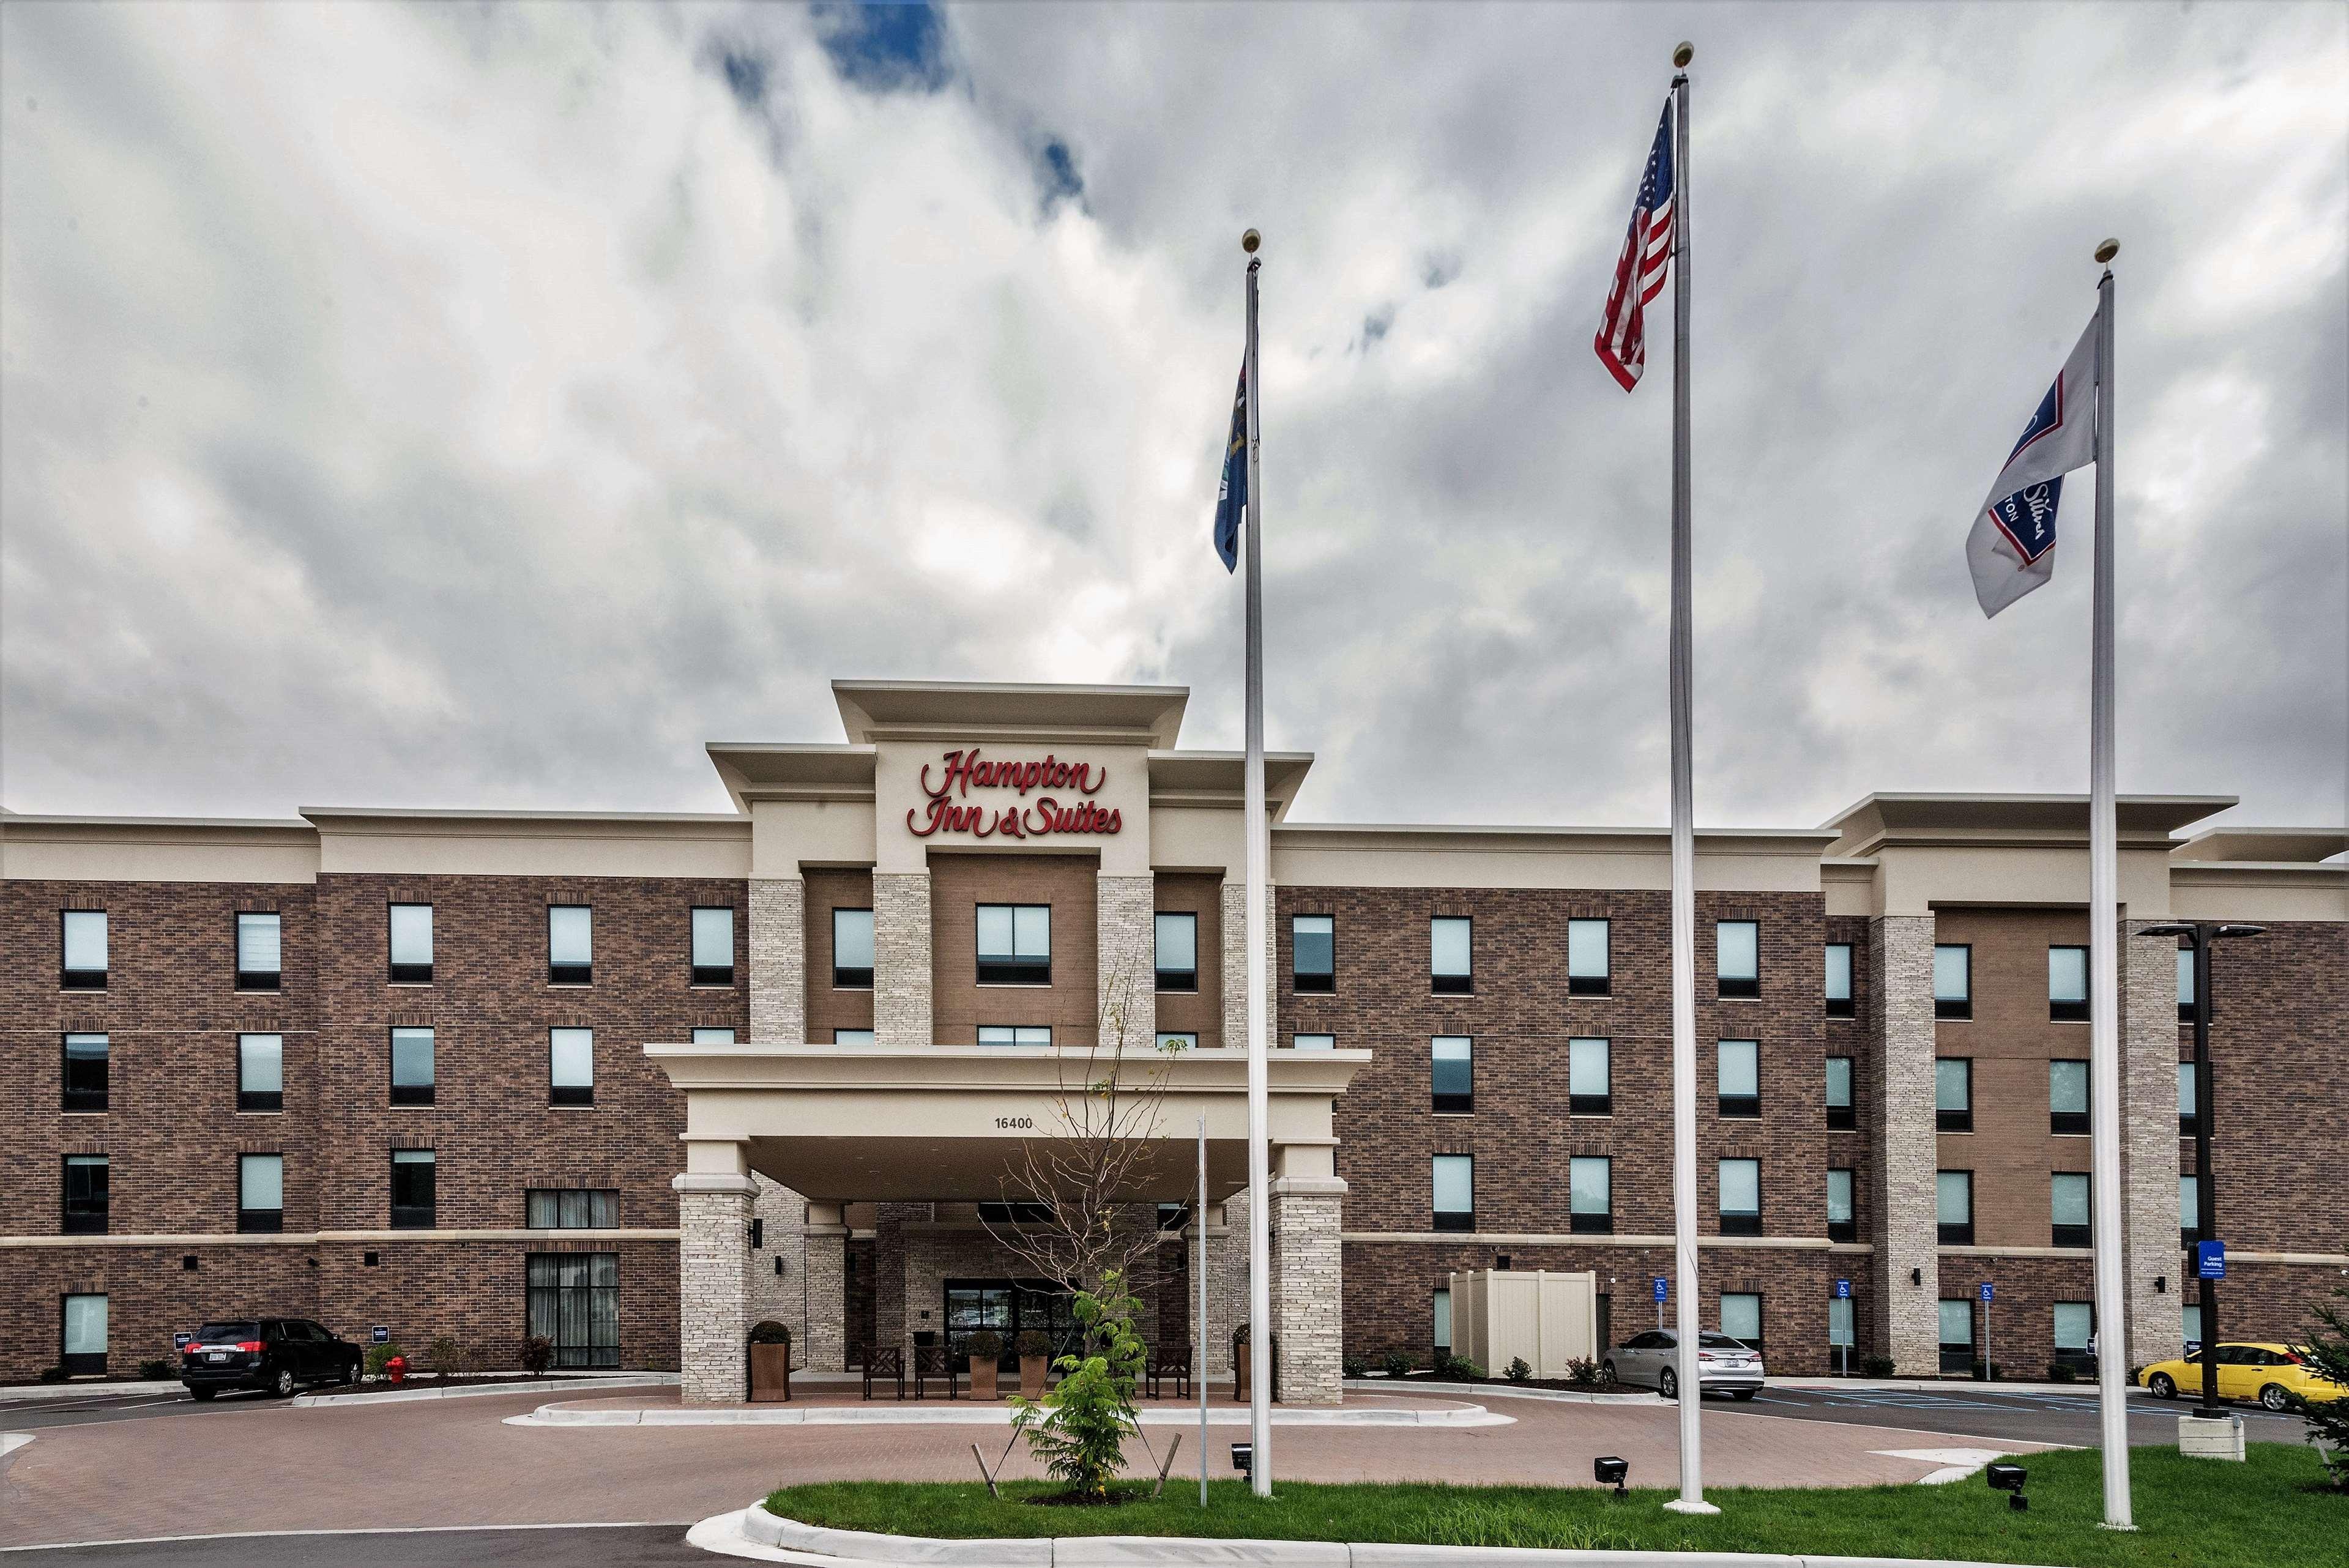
(1987, 1293)
(1661, 1288)
(1843, 1290)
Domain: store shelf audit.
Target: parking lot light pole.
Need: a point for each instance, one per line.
(2200, 935)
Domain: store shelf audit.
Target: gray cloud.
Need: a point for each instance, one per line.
(439, 407)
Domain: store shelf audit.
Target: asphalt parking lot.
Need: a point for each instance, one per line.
(619, 1546)
(30, 1415)
(2024, 1415)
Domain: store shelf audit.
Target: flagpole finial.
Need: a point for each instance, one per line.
(1682, 54)
(1250, 240)
(2108, 250)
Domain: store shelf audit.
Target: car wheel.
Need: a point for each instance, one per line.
(1607, 1370)
(1741, 1394)
(2273, 1398)
(1668, 1384)
(283, 1384)
(2161, 1386)
(202, 1393)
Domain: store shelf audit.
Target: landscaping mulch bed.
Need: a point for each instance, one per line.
(428, 1380)
(1564, 1384)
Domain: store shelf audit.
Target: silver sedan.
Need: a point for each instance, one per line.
(1725, 1365)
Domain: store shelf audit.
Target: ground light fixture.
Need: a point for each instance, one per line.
(1608, 1469)
(1244, 1458)
(2009, 1479)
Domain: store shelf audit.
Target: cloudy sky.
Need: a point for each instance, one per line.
(487, 405)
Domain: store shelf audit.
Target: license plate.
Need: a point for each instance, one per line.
(217, 1356)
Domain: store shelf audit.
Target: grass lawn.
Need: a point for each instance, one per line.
(2268, 1512)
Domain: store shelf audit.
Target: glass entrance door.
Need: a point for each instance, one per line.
(1009, 1307)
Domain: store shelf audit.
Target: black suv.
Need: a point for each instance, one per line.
(272, 1354)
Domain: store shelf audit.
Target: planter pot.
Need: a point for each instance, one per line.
(1031, 1376)
(770, 1372)
(1240, 1375)
(982, 1376)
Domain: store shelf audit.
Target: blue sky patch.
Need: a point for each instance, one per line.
(884, 47)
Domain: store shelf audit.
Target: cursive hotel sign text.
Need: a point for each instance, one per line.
(1046, 815)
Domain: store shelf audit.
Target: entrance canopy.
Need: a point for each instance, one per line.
(842, 1124)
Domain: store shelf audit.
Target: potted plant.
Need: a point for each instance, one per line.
(984, 1348)
(1035, 1351)
(770, 1362)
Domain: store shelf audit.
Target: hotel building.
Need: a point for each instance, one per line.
(637, 1082)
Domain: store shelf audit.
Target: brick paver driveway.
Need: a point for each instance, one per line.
(452, 1462)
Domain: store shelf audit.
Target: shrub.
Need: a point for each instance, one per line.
(1875, 1366)
(1357, 1366)
(537, 1354)
(768, 1332)
(1396, 1363)
(1519, 1372)
(56, 1374)
(2326, 1351)
(1582, 1372)
(986, 1344)
(2059, 1372)
(1032, 1342)
(156, 1370)
(1078, 1431)
(442, 1355)
(1456, 1369)
(377, 1355)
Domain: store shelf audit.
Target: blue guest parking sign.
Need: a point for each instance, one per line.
(2209, 1260)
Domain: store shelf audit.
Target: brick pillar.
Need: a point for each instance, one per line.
(1235, 922)
(1902, 1138)
(713, 1253)
(1306, 1294)
(1228, 1284)
(778, 960)
(827, 1289)
(780, 1298)
(1125, 963)
(901, 959)
(892, 1323)
(2150, 1153)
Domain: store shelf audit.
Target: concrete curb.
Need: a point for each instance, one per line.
(485, 1390)
(1478, 1390)
(1937, 1385)
(968, 1415)
(753, 1533)
(84, 1391)
(11, 1441)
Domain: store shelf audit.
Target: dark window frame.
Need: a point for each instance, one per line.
(261, 981)
(414, 1216)
(84, 1363)
(1959, 1008)
(1442, 1102)
(1012, 969)
(711, 973)
(2081, 1235)
(571, 1354)
(2188, 1121)
(1452, 1222)
(84, 1101)
(95, 1215)
(1739, 1222)
(2068, 1123)
(850, 978)
(260, 1222)
(1842, 1118)
(1960, 1120)
(1600, 1223)
(409, 1094)
(1845, 1230)
(1737, 1107)
(1732, 988)
(400, 973)
(1314, 982)
(2190, 1221)
(1958, 1233)
(263, 1099)
(570, 973)
(1591, 984)
(2071, 1012)
(565, 1094)
(1846, 1005)
(1591, 1104)
(610, 1197)
(1179, 981)
(81, 979)
(1452, 984)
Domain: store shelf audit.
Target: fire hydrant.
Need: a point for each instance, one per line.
(396, 1369)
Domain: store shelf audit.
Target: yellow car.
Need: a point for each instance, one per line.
(2266, 1373)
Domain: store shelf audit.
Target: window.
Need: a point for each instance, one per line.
(85, 950)
(2188, 1107)
(412, 1067)
(1741, 1318)
(570, 944)
(2069, 1208)
(260, 1192)
(1443, 1320)
(713, 1035)
(2074, 1322)
(1178, 1039)
(1839, 1334)
(1739, 1078)
(1953, 980)
(1953, 1094)
(85, 1195)
(1590, 1195)
(1313, 952)
(571, 1067)
(2067, 984)
(1587, 958)
(574, 1304)
(1841, 1116)
(852, 1037)
(1177, 952)
(713, 945)
(1839, 999)
(852, 949)
(81, 1341)
(1014, 1035)
(572, 1208)
(261, 1072)
(2191, 1322)
(1738, 957)
(1449, 962)
(260, 960)
(1741, 1197)
(1451, 1073)
(2067, 1096)
(2190, 1211)
(411, 944)
(1843, 1225)
(1456, 1191)
(1589, 1081)
(83, 1079)
(1957, 1335)
(1174, 1217)
(413, 1202)
(1314, 1042)
(2186, 985)
(1953, 1207)
(1015, 944)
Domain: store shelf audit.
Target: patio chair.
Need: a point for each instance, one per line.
(931, 1361)
(1173, 1363)
(887, 1362)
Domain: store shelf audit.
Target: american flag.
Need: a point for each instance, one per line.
(1640, 272)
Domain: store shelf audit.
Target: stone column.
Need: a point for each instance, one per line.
(1306, 1288)
(713, 1306)
(781, 1216)
(778, 960)
(1234, 923)
(1125, 963)
(2149, 1156)
(1903, 1140)
(901, 959)
(1228, 1284)
(827, 1289)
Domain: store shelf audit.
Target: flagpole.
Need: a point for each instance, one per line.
(2104, 923)
(1260, 926)
(1685, 1316)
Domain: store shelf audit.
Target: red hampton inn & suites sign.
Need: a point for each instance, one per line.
(1044, 817)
